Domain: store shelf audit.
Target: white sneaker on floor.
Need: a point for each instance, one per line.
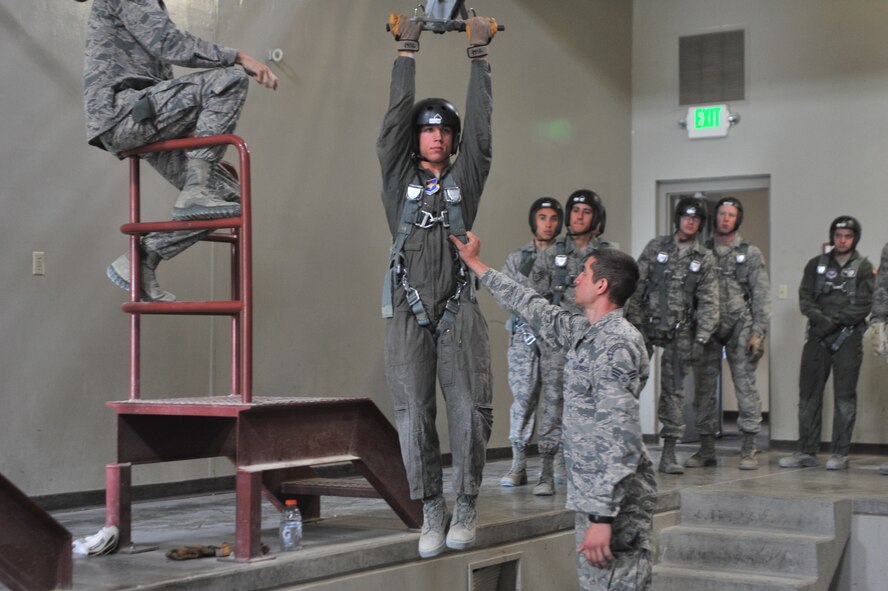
(100, 543)
(837, 462)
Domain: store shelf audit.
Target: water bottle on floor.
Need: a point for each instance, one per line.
(291, 526)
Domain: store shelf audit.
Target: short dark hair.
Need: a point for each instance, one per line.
(620, 270)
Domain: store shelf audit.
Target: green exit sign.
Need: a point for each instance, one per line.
(708, 121)
(707, 117)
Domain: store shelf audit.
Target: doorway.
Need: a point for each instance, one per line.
(754, 193)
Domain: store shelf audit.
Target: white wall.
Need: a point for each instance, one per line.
(561, 121)
(813, 119)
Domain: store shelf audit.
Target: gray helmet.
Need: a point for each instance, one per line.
(543, 203)
(435, 111)
(845, 222)
(690, 206)
(734, 202)
(590, 198)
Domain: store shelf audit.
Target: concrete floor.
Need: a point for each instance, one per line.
(360, 534)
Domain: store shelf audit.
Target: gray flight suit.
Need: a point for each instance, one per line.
(676, 303)
(552, 356)
(835, 335)
(523, 355)
(744, 296)
(460, 356)
(610, 472)
(131, 98)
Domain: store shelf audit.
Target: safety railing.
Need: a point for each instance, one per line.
(239, 307)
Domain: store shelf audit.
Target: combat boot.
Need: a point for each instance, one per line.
(462, 526)
(434, 525)
(546, 486)
(748, 460)
(517, 474)
(705, 456)
(201, 197)
(119, 274)
(668, 465)
(560, 471)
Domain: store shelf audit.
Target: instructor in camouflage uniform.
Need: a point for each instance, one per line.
(676, 308)
(131, 99)
(611, 482)
(553, 276)
(836, 295)
(879, 319)
(545, 219)
(744, 298)
(434, 324)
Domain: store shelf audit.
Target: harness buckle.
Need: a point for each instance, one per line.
(429, 219)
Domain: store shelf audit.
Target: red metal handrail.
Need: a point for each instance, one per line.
(240, 308)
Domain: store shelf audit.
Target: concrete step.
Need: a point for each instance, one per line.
(755, 551)
(738, 509)
(670, 578)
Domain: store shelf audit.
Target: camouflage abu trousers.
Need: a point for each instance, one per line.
(199, 104)
(524, 382)
(551, 411)
(706, 376)
(675, 362)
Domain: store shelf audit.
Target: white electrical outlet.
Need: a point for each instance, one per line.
(781, 291)
(38, 263)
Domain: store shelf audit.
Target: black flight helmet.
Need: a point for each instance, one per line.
(546, 203)
(845, 222)
(734, 202)
(435, 111)
(590, 198)
(690, 206)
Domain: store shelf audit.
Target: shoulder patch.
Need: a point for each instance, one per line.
(538, 275)
(624, 377)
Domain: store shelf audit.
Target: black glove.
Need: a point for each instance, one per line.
(697, 350)
(822, 327)
(405, 31)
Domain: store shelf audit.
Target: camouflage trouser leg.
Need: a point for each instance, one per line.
(706, 375)
(524, 381)
(673, 370)
(200, 104)
(461, 359)
(630, 571)
(552, 399)
(749, 404)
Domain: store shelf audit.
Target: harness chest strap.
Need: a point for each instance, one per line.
(848, 286)
(559, 276)
(412, 215)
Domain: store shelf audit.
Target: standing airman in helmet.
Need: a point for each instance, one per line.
(676, 307)
(836, 295)
(434, 326)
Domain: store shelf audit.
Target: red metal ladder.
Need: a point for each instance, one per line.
(239, 307)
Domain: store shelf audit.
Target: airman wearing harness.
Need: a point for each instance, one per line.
(553, 277)
(545, 219)
(434, 324)
(744, 315)
(676, 308)
(836, 294)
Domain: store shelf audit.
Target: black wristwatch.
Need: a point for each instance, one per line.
(596, 518)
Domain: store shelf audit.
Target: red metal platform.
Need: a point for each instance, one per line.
(270, 440)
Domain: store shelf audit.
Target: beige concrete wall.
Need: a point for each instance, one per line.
(817, 77)
(561, 121)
